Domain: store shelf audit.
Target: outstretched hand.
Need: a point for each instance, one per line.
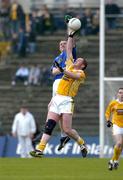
(109, 124)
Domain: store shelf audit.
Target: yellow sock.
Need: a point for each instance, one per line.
(80, 141)
(117, 152)
(41, 146)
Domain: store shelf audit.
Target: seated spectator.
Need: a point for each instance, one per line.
(34, 75)
(111, 9)
(21, 75)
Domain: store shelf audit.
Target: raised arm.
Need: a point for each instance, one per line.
(69, 48)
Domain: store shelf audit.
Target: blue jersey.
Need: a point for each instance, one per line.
(61, 59)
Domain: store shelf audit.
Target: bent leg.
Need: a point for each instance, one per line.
(51, 121)
(67, 127)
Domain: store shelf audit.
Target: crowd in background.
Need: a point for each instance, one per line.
(25, 27)
(22, 29)
(33, 75)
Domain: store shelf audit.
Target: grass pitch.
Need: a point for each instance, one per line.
(58, 169)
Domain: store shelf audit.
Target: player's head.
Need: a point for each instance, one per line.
(23, 109)
(62, 45)
(80, 63)
(120, 94)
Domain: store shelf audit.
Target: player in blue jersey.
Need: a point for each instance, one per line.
(61, 59)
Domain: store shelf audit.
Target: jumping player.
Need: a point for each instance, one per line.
(62, 103)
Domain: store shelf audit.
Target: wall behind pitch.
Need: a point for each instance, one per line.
(8, 146)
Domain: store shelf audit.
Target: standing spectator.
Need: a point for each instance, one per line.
(111, 9)
(22, 43)
(17, 16)
(31, 40)
(24, 128)
(14, 43)
(87, 22)
(114, 117)
(22, 75)
(35, 22)
(47, 20)
(95, 23)
(4, 19)
(34, 75)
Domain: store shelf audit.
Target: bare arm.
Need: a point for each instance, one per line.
(74, 75)
(69, 48)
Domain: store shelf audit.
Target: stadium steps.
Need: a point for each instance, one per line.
(86, 117)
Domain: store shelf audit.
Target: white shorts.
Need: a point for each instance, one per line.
(55, 86)
(117, 130)
(62, 104)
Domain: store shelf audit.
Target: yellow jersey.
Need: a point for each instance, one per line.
(115, 109)
(14, 12)
(69, 86)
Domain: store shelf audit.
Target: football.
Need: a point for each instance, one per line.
(74, 24)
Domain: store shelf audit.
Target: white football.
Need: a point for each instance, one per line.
(74, 24)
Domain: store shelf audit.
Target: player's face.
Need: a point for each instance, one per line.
(120, 95)
(79, 63)
(62, 45)
(24, 110)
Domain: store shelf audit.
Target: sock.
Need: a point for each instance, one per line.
(117, 152)
(41, 146)
(80, 141)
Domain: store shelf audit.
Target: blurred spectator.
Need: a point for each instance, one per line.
(17, 16)
(47, 21)
(21, 75)
(34, 75)
(35, 22)
(4, 19)
(95, 23)
(14, 43)
(23, 128)
(46, 76)
(87, 22)
(111, 9)
(31, 40)
(22, 43)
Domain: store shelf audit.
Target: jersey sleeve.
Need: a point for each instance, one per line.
(108, 111)
(69, 62)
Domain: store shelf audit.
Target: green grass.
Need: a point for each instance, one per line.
(58, 169)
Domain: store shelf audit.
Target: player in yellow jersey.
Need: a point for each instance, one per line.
(115, 109)
(62, 103)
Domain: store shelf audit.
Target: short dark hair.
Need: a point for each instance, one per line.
(85, 64)
(24, 106)
(120, 88)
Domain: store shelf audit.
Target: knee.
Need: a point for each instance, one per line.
(49, 126)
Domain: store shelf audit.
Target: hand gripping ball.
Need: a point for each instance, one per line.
(74, 24)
